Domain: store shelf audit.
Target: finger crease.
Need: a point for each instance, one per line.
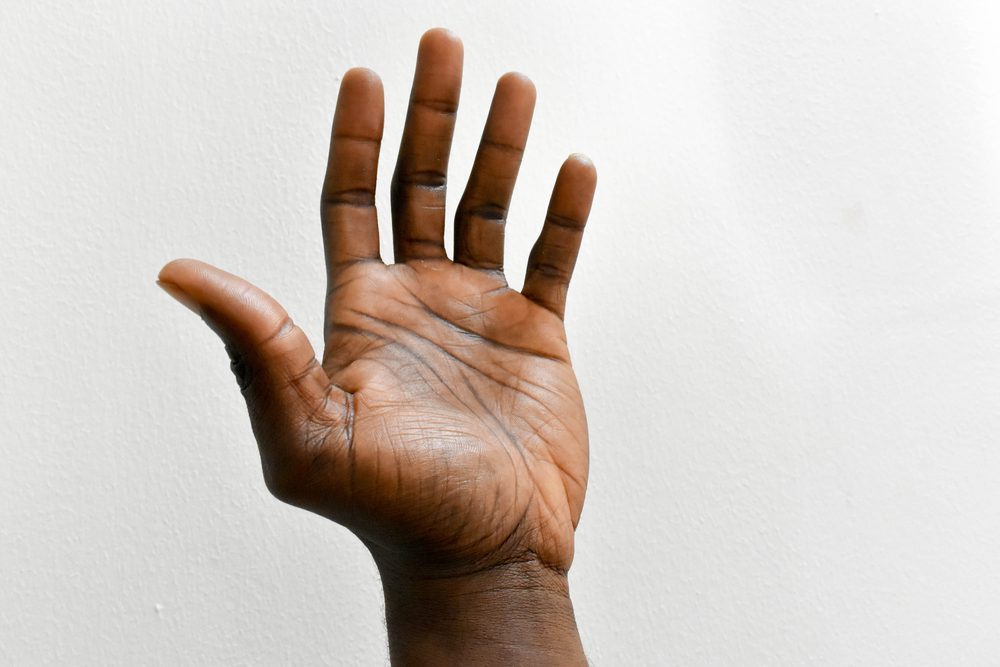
(503, 147)
(428, 179)
(563, 221)
(355, 197)
(443, 107)
(488, 212)
(358, 138)
(550, 270)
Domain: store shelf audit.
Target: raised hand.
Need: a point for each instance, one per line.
(444, 425)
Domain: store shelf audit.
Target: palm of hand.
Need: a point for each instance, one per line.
(444, 425)
(469, 438)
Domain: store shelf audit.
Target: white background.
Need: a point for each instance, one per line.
(786, 321)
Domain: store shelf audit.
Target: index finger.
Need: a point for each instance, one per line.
(350, 223)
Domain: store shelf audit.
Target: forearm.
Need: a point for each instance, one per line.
(519, 614)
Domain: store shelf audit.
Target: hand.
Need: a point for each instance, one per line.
(444, 425)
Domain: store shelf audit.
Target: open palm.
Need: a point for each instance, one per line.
(443, 424)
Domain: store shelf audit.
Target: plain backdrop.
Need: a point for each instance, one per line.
(785, 320)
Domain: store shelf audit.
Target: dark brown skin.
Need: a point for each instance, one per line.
(444, 425)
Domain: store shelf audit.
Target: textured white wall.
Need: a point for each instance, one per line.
(786, 321)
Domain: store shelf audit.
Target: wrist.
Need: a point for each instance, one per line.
(517, 613)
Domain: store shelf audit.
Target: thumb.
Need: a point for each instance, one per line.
(285, 387)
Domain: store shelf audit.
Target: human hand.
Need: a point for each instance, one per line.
(444, 425)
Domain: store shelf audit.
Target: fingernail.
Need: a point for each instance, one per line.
(183, 297)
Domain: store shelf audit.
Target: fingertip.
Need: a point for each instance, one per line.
(517, 86)
(517, 80)
(440, 38)
(167, 270)
(361, 77)
(580, 168)
(179, 295)
(361, 88)
(582, 159)
(440, 47)
(198, 279)
(360, 108)
(179, 278)
(175, 270)
(231, 306)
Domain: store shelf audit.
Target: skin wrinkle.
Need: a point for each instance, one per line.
(496, 507)
(548, 270)
(416, 355)
(348, 262)
(427, 179)
(564, 473)
(459, 398)
(238, 368)
(446, 352)
(454, 394)
(414, 242)
(513, 440)
(446, 385)
(510, 437)
(565, 222)
(371, 346)
(503, 546)
(352, 454)
(377, 142)
(301, 375)
(508, 434)
(338, 282)
(442, 107)
(351, 198)
(551, 461)
(488, 212)
(493, 144)
(480, 337)
(499, 288)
